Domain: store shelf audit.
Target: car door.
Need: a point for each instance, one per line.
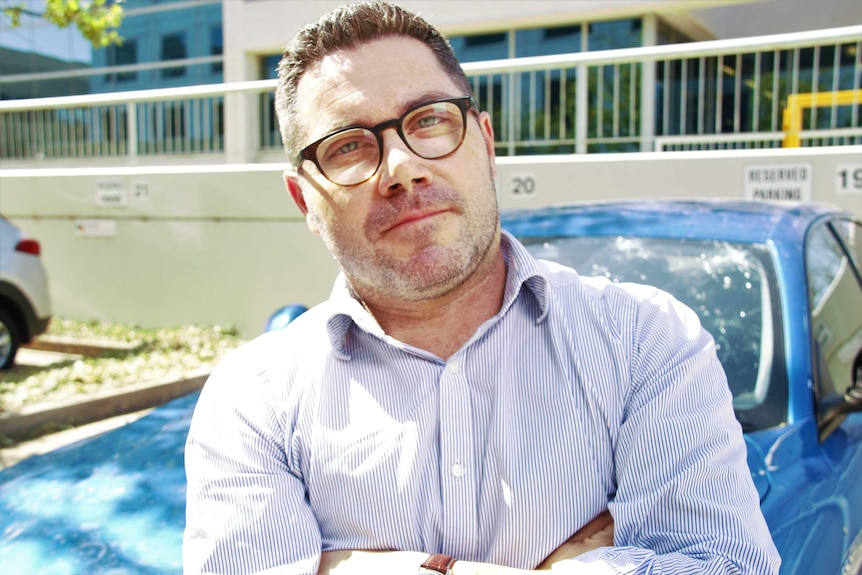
(833, 253)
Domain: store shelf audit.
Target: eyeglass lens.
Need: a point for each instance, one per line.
(431, 131)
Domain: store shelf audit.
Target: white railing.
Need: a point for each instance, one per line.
(704, 95)
(810, 138)
(625, 99)
(164, 121)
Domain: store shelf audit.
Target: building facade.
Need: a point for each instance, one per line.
(156, 33)
(166, 43)
(166, 206)
(256, 30)
(639, 105)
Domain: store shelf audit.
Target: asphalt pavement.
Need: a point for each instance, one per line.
(98, 413)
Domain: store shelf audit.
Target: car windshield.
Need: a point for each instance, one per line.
(730, 286)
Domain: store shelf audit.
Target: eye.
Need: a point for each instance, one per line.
(428, 121)
(349, 146)
(433, 121)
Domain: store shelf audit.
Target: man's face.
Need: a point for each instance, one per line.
(418, 228)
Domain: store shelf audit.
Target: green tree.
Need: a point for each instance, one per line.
(97, 20)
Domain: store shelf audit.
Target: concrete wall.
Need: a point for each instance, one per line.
(203, 244)
(225, 244)
(777, 16)
(681, 175)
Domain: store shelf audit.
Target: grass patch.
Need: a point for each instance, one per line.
(158, 354)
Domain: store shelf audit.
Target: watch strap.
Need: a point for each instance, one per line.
(439, 563)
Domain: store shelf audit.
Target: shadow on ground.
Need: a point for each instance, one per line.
(114, 503)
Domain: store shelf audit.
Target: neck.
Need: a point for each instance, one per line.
(442, 325)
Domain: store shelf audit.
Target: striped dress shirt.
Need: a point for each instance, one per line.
(579, 395)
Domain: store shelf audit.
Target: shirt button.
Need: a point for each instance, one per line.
(458, 470)
(454, 367)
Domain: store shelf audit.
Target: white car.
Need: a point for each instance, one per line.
(25, 306)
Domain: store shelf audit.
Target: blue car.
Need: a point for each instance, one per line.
(779, 286)
(780, 289)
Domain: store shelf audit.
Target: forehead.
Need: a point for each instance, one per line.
(369, 84)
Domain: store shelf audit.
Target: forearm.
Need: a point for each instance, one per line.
(684, 501)
(406, 563)
(356, 562)
(241, 493)
(350, 562)
(599, 532)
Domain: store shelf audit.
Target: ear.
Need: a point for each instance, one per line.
(291, 182)
(488, 133)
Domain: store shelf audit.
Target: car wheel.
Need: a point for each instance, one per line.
(9, 340)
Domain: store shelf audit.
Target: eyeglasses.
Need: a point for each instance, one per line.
(431, 130)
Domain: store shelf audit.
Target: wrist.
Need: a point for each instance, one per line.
(437, 564)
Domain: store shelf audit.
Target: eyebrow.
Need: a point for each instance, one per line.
(426, 97)
(420, 99)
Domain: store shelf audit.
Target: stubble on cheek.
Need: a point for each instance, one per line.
(418, 261)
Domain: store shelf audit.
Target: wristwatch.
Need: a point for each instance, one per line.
(437, 564)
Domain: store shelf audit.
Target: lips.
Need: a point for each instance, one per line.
(402, 210)
(413, 217)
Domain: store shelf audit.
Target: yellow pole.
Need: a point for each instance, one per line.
(796, 103)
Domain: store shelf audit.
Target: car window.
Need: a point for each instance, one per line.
(851, 234)
(730, 286)
(824, 260)
(832, 254)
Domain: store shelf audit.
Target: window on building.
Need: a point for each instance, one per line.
(269, 66)
(547, 41)
(615, 34)
(544, 98)
(479, 47)
(269, 135)
(122, 55)
(216, 47)
(174, 47)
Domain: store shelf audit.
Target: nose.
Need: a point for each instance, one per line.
(400, 169)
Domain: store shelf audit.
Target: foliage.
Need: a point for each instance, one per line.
(152, 355)
(96, 20)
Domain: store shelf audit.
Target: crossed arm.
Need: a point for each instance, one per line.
(683, 500)
(597, 533)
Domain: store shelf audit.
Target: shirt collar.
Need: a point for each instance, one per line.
(521, 269)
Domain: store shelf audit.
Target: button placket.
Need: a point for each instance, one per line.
(457, 477)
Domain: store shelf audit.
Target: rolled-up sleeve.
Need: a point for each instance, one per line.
(685, 501)
(246, 507)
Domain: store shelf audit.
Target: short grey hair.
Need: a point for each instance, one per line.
(344, 28)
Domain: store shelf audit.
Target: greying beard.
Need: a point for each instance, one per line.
(372, 276)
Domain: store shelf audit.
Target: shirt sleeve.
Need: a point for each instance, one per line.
(246, 509)
(685, 501)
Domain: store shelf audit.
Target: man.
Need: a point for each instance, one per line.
(454, 399)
